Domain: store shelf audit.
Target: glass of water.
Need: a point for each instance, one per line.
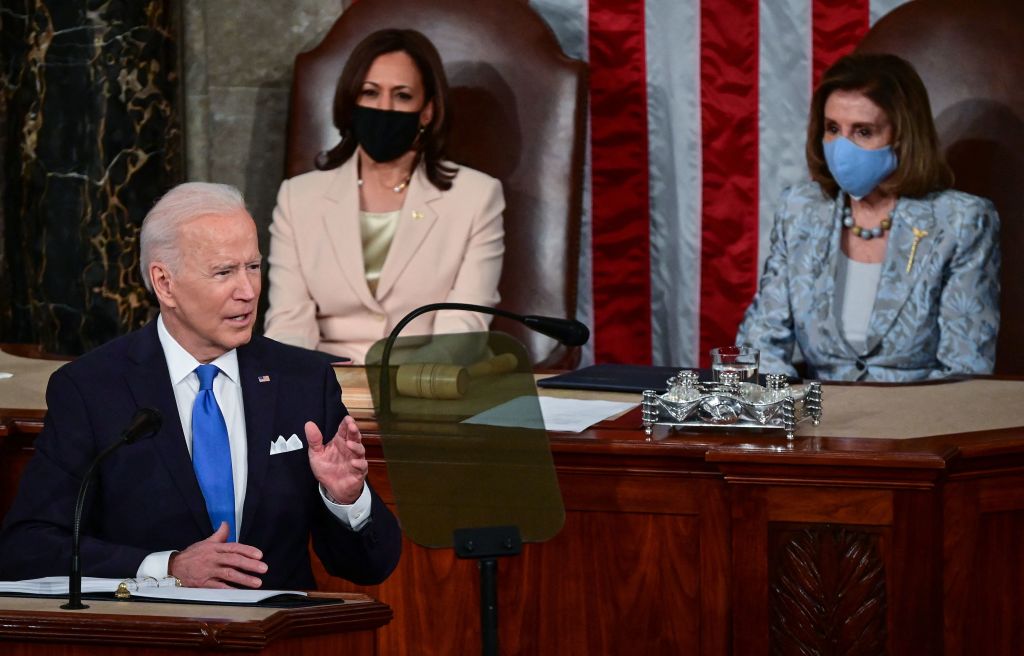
(744, 360)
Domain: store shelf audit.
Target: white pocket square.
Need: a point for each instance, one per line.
(281, 445)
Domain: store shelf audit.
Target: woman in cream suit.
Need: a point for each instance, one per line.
(386, 225)
(877, 270)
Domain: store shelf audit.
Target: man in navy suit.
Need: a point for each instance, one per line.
(241, 454)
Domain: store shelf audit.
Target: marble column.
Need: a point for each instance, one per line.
(93, 138)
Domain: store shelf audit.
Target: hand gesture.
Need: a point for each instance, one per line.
(215, 562)
(340, 465)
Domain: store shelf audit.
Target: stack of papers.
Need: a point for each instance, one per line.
(144, 588)
(58, 585)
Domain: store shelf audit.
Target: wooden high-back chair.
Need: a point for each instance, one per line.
(518, 108)
(971, 58)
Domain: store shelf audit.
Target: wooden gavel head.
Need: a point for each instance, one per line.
(426, 380)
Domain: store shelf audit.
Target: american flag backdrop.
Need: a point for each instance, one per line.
(698, 112)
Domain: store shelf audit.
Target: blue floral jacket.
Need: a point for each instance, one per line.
(938, 319)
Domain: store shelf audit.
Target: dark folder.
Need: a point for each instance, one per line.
(613, 378)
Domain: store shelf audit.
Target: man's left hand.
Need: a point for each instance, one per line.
(340, 465)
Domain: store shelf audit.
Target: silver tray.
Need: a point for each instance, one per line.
(748, 406)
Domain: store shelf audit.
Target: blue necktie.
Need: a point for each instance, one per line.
(211, 453)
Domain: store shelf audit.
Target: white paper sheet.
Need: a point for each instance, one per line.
(572, 415)
(212, 595)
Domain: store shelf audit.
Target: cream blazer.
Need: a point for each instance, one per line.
(448, 246)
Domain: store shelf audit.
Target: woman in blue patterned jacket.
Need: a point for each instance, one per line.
(877, 269)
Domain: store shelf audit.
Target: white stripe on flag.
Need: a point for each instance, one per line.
(880, 8)
(674, 155)
(784, 95)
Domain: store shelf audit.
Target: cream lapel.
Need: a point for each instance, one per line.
(340, 216)
(415, 222)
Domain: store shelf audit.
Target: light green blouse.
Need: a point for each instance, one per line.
(377, 230)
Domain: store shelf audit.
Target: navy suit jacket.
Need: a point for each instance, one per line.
(145, 497)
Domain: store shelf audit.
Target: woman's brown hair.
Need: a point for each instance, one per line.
(891, 83)
(431, 142)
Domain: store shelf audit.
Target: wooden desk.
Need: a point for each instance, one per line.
(732, 543)
(729, 543)
(38, 626)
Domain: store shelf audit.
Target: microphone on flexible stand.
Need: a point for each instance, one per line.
(145, 422)
(569, 332)
(501, 540)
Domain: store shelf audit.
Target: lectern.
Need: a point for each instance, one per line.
(31, 626)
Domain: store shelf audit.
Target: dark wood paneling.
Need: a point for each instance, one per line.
(628, 568)
(827, 591)
(983, 574)
(995, 605)
(749, 514)
(914, 573)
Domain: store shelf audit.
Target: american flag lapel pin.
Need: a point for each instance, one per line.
(264, 379)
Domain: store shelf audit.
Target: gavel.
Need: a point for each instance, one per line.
(426, 380)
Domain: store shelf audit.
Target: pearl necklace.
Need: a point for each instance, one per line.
(865, 233)
(397, 188)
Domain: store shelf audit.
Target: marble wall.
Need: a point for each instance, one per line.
(79, 186)
(92, 137)
(238, 68)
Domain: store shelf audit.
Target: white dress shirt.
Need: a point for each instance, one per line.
(227, 389)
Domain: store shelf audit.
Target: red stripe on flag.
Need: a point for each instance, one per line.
(619, 195)
(729, 125)
(837, 26)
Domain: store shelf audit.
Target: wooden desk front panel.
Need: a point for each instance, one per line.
(819, 567)
(983, 565)
(641, 563)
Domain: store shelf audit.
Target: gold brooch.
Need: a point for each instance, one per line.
(918, 236)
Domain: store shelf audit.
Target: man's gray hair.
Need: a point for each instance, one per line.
(158, 241)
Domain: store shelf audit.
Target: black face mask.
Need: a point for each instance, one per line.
(384, 134)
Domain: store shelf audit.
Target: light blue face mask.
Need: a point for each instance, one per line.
(858, 170)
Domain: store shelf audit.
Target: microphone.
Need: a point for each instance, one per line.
(146, 421)
(567, 331)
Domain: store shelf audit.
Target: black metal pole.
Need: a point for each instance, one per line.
(75, 577)
(485, 544)
(489, 606)
(145, 422)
